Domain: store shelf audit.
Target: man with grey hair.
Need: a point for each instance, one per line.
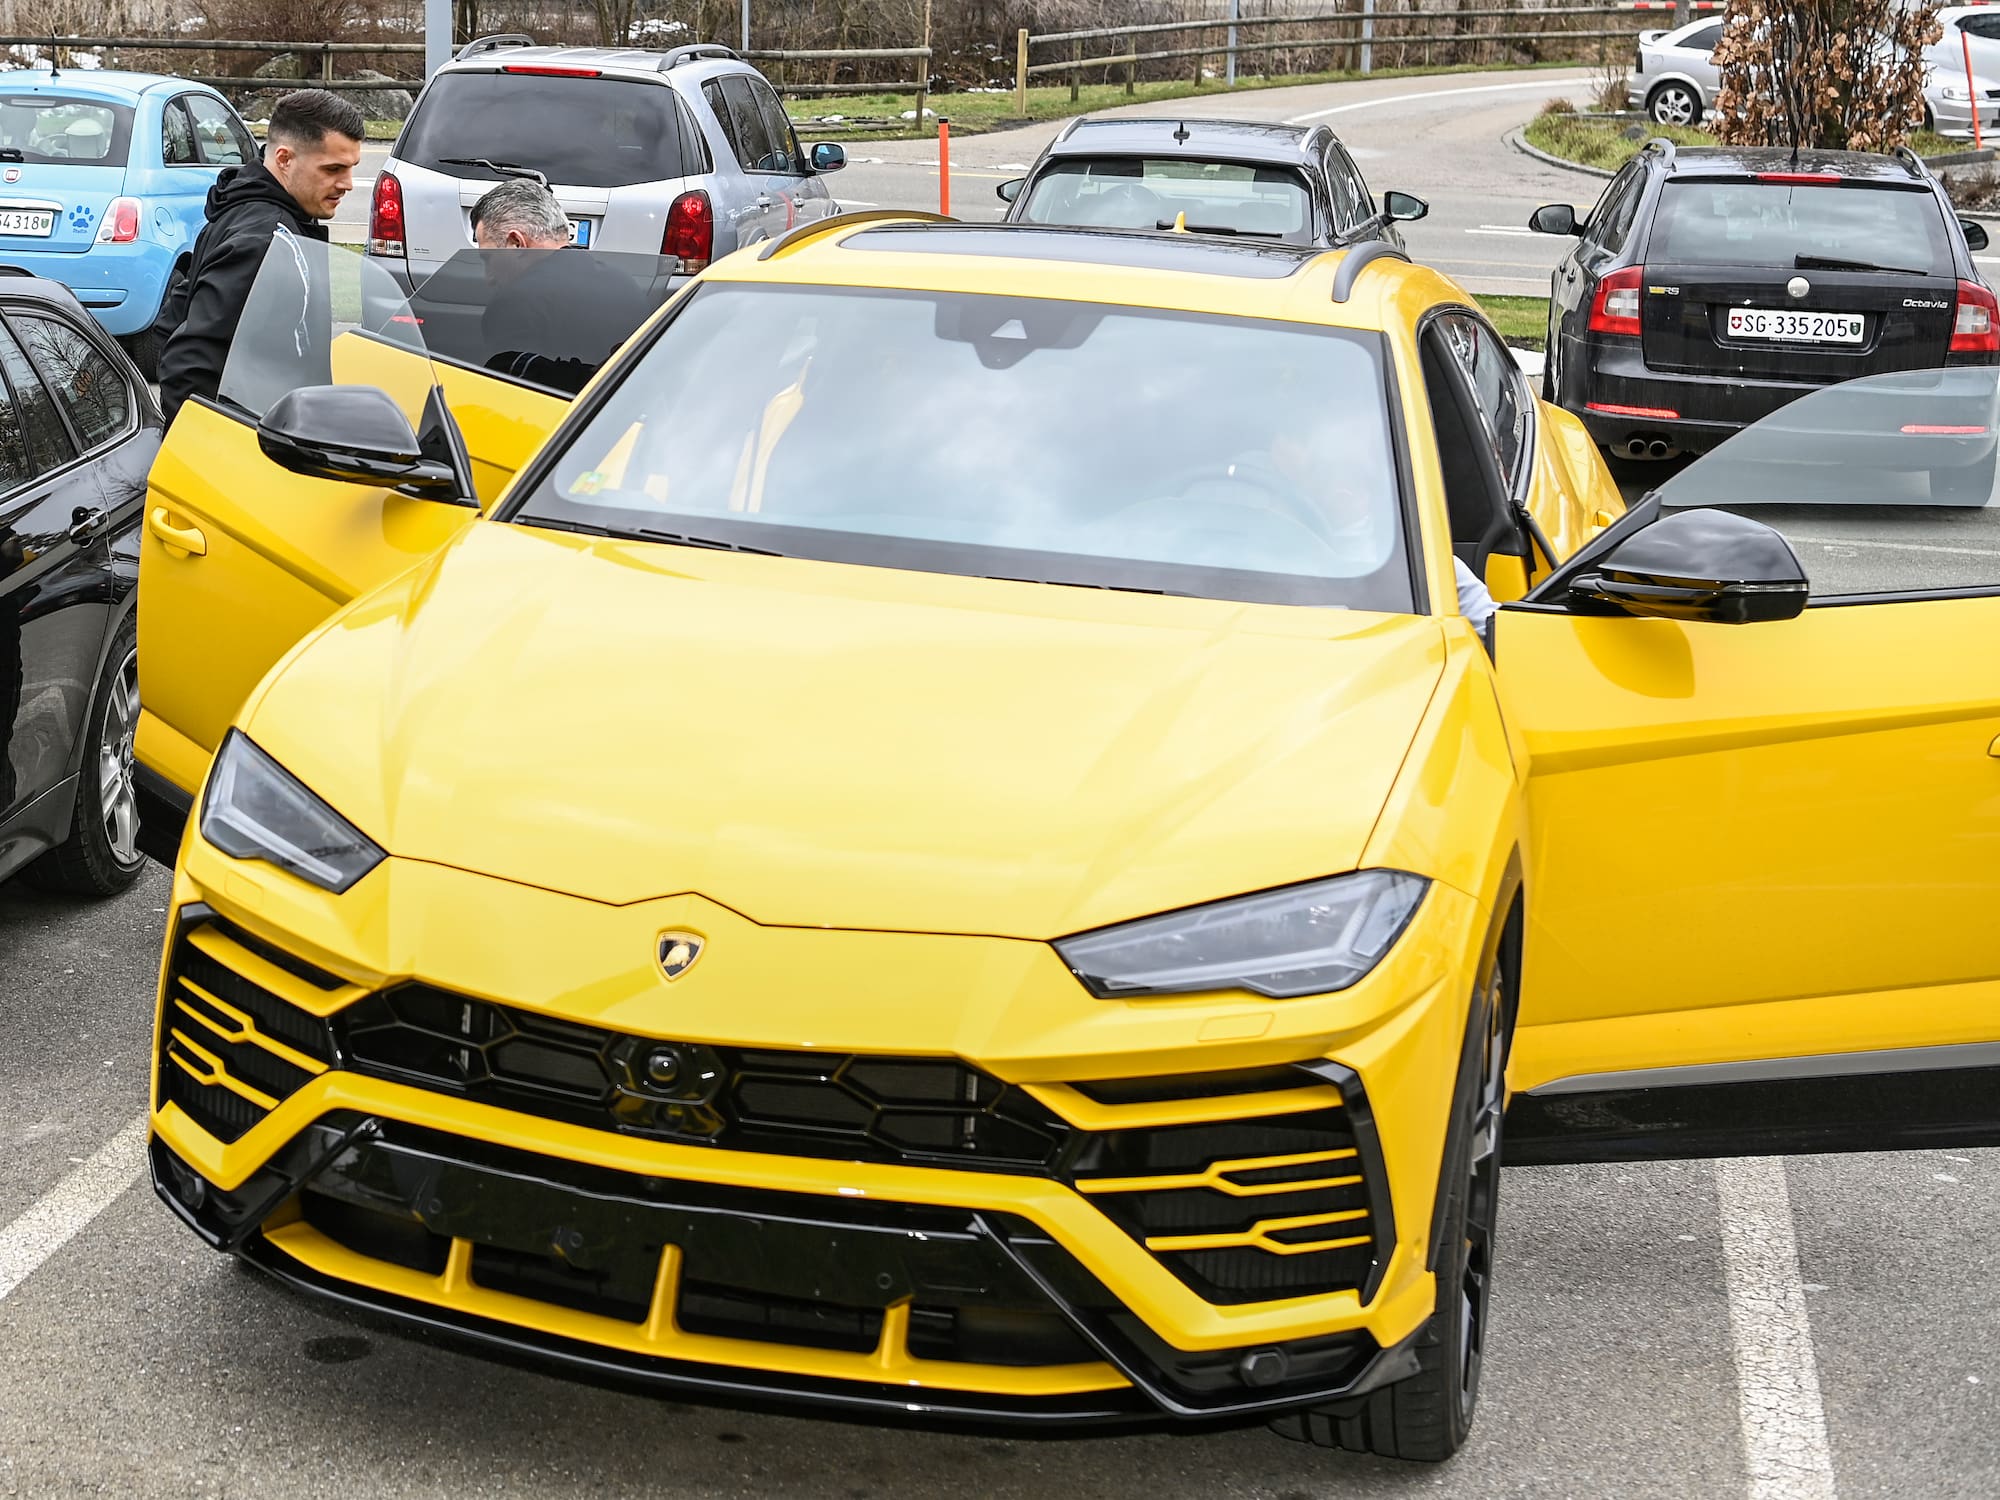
(553, 316)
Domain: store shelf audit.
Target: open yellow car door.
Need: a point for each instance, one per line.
(268, 509)
(1762, 875)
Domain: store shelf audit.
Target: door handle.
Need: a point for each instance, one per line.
(183, 538)
(84, 523)
(763, 200)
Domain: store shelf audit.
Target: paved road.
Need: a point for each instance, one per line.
(138, 1364)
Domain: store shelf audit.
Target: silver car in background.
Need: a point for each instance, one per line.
(686, 153)
(1674, 78)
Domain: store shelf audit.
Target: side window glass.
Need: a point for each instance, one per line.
(1496, 385)
(1705, 39)
(1347, 208)
(712, 92)
(176, 136)
(15, 470)
(218, 135)
(752, 140)
(696, 160)
(1612, 218)
(91, 391)
(785, 153)
(42, 436)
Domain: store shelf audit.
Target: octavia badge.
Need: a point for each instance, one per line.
(678, 951)
(1798, 286)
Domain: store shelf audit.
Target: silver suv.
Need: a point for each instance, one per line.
(685, 153)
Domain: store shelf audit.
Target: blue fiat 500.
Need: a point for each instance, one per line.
(103, 178)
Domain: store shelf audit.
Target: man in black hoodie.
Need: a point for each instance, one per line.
(311, 149)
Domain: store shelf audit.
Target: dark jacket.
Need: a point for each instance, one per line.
(246, 207)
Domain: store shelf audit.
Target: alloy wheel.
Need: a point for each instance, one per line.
(1482, 1194)
(117, 799)
(1674, 106)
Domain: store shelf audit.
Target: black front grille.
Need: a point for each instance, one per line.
(1243, 1210)
(230, 1050)
(856, 1108)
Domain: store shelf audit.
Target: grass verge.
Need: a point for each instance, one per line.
(1604, 143)
(1522, 321)
(878, 117)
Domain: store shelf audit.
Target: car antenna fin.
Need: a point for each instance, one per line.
(1181, 133)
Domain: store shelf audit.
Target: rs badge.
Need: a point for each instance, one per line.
(678, 951)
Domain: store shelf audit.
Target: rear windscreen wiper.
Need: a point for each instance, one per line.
(497, 168)
(1835, 263)
(1260, 234)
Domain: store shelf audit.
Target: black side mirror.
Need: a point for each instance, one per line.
(1011, 189)
(1554, 218)
(1976, 237)
(1706, 565)
(355, 434)
(1403, 206)
(827, 157)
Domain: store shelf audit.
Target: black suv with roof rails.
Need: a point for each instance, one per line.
(1709, 287)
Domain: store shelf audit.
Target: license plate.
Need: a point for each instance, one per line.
(580, 233)
(1794, 327)
(30, 221)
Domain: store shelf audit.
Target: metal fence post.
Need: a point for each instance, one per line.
(1021, 73)
(1075, 72)
(1235, 10)
(326, 62)
(1132, 67)
(1367, 37)
(437, 35)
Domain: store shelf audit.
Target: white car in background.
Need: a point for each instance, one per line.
(1674, 79)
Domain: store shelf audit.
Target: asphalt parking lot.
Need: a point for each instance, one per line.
(1656, 1333)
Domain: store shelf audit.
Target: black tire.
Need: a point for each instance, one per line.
(1674, 103)
(144, 350)
(1427, 1416)
(101, 855)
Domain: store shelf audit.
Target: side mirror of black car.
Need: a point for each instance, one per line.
(1704, 565)
(355, 434)
(1011, 189)
(1976, 237)
(1403, 206)
(827, 157)
(1554, 218)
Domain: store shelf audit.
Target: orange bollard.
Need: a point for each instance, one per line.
(1971, 89)
(944, 166)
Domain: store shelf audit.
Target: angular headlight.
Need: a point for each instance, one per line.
(1302, 940)
(255, 809)
(1954, 93)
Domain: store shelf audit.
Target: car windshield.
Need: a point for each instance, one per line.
(587, 132)
(1057, 442)
(1882, 486)
(1704, 223)
(55, 128)
(1133, 192)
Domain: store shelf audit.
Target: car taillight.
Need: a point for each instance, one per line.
(385, 217)
(690, 232)
(1975, 327)
(121, 222)
(1615, 308)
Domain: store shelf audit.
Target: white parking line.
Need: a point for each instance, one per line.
(1550, 85)
(1777, 1375)
(60, 1214)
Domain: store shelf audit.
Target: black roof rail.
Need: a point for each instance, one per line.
(1913, 161)
(1357, 260)
(493, 43)
(675, 56)
(1662, 145)
(831, 222)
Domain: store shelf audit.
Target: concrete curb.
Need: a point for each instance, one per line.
(1519, 142)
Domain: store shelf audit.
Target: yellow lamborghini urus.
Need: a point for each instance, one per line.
(941, 841)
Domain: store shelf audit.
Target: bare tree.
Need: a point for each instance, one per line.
(1839, 74)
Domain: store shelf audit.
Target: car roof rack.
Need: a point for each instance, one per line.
(493, 43)
(1358, 258)
(1662, 145)
(831, 222)
(1913, 161)
(675, 56)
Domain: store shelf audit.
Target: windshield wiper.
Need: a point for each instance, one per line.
(684, 539)
(12, 153)
(1260, 234)
(497, 168)
(1835, 263)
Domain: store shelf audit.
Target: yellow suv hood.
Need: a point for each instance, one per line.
(832, 746)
